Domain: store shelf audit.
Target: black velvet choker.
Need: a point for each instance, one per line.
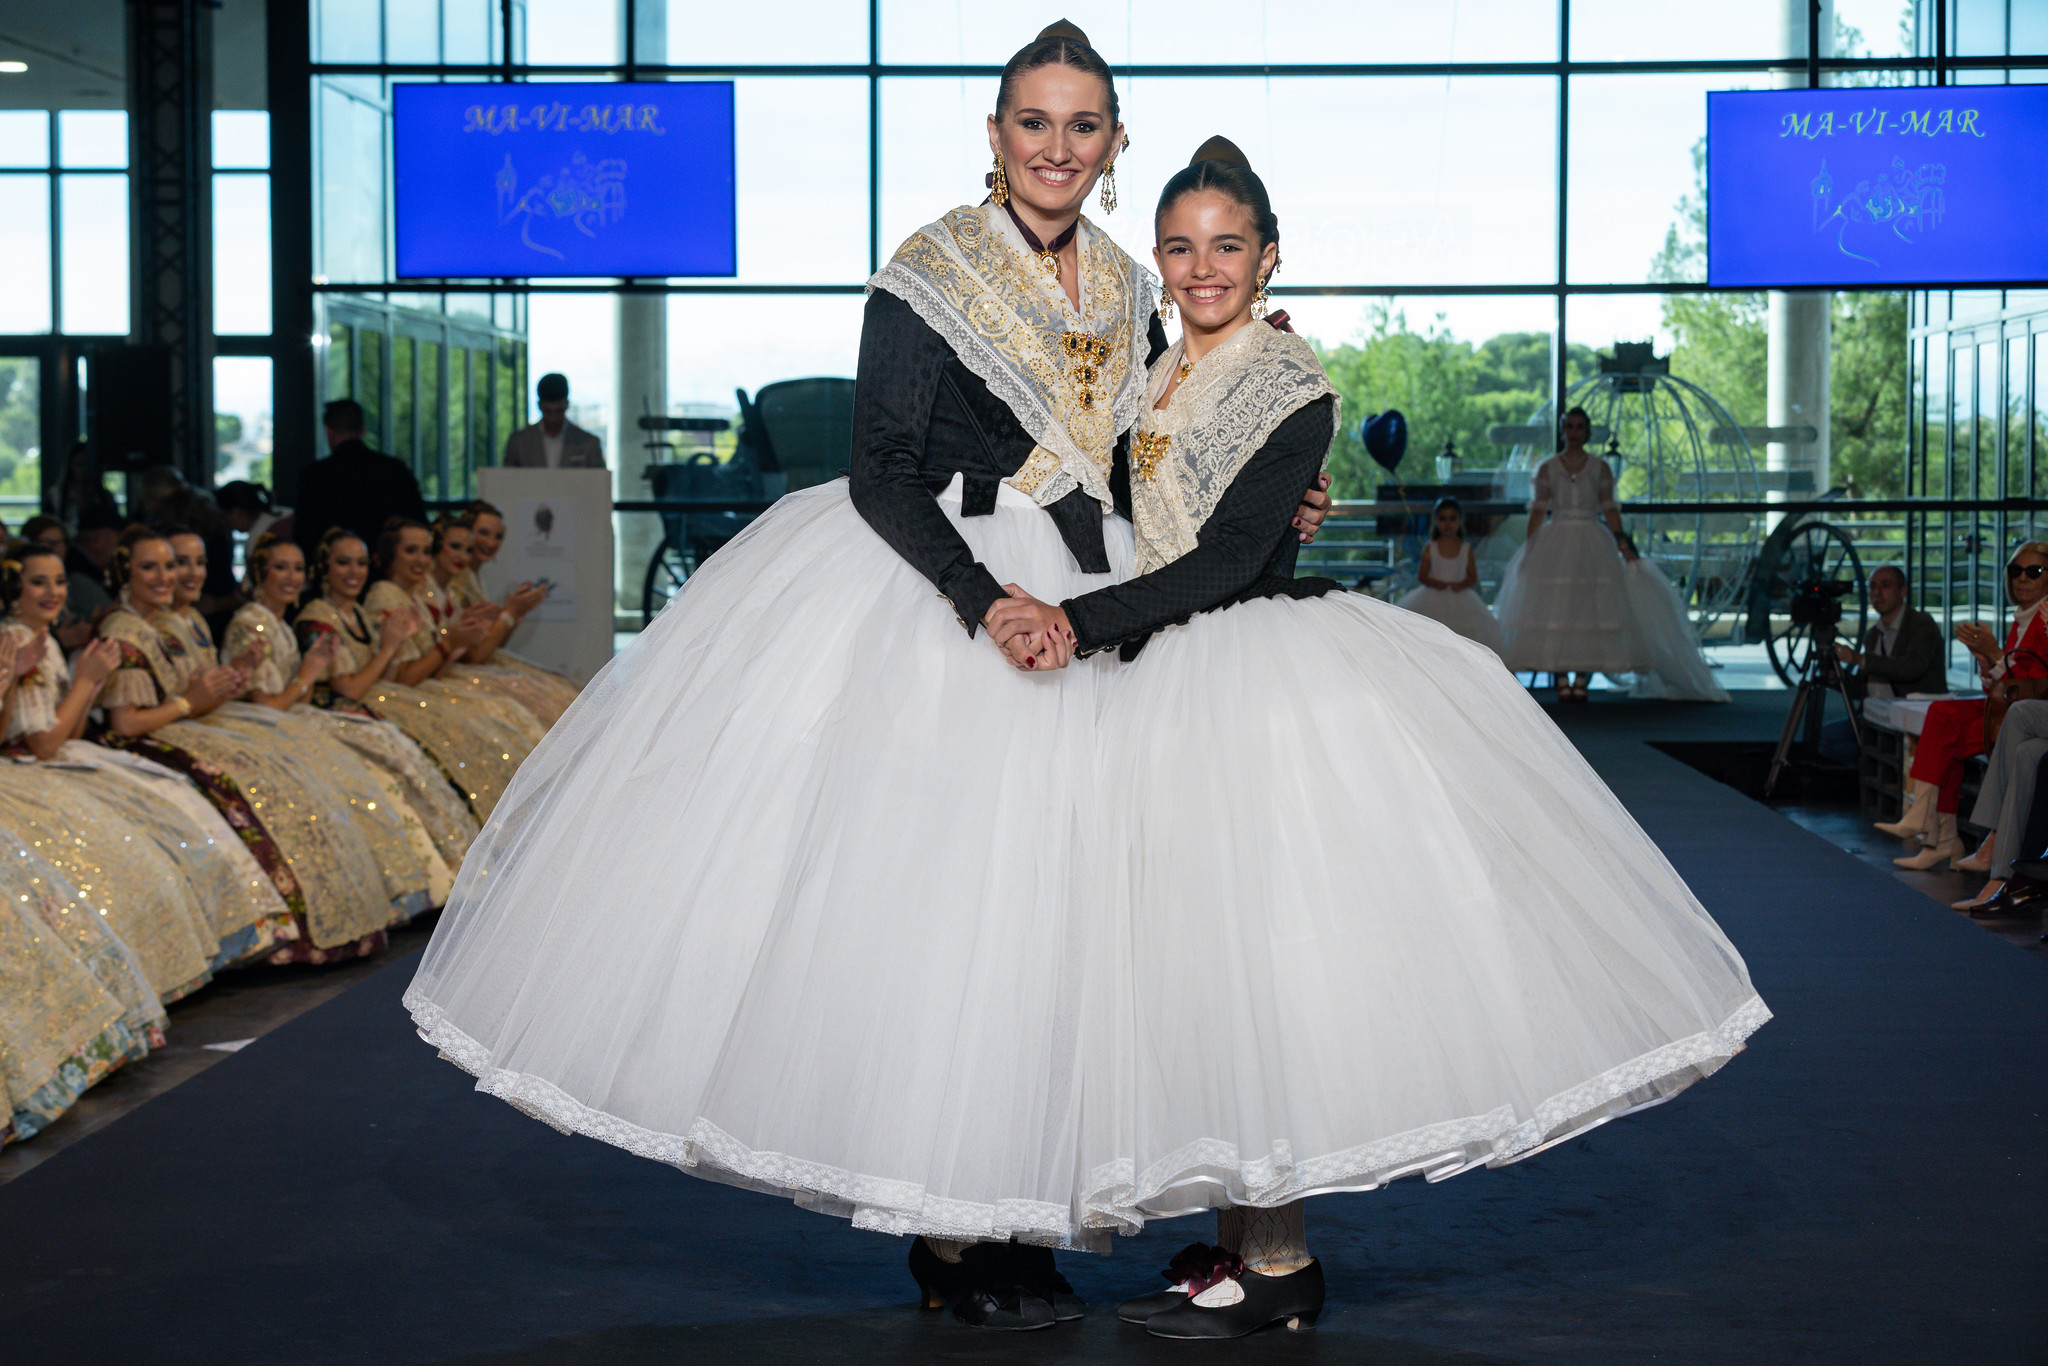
(1048, 253)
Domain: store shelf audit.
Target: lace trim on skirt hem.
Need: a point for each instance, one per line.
(1213, 1173)
(876, 1204)
(1210, 1171)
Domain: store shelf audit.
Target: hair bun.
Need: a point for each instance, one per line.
(1220, 148)
(1061, 28)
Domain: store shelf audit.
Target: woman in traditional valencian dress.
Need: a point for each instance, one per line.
(388, 828)
(544, 694)
(75, 1002)
(549, 693)
(474, 750)
(432, 657)
(49, 715)
(791, 898)
(1275, 1008)
(299, 827)
(438, 820)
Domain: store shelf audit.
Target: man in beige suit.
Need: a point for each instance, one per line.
(554, 442)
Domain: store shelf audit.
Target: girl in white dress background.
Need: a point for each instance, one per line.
(1449, 586)
(1577, 600)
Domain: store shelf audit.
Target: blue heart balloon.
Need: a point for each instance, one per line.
(1386, 438)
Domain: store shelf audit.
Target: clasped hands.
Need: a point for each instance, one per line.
(1032, 634)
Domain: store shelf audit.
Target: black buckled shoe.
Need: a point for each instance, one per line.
(1035, 1270)
(1294, 1299)
(981, 1288)
(1195, 1262)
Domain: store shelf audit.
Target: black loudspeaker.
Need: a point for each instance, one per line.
(128, 407)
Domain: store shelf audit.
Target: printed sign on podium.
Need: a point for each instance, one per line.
(558, 531)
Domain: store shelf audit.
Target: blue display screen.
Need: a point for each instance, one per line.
(1920, 185)
(545, 179)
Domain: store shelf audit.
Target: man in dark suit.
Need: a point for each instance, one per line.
(354, 486)
(1902, 652)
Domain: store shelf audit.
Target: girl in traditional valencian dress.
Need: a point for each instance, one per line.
(1275, 1008)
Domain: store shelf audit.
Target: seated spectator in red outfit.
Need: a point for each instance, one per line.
(1955, 730)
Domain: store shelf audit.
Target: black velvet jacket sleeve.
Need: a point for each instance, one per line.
(902, 364)
(1246, 549)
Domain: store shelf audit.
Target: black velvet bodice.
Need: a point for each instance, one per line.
(920, 417)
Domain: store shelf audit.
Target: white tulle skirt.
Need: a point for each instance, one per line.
(1368, 914)
(1463, 611)
(791, 896)
(810, 893)
(1563, 603)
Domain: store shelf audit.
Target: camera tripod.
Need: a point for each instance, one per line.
(1822, 671)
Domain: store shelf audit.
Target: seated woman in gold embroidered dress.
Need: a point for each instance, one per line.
(486, 534)
(474, 751)
(432, 658)
(292, 819)
(247, 916)
(283, 679)
(546, 695)
(194, 899)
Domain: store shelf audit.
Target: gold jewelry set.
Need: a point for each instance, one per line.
(1086, 354)
(1147, 450)
(1001, 193)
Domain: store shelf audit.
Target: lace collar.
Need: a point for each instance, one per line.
(1184, 456)
(1074, 378)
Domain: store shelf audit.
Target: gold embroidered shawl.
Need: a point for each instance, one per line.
(1184, 456)
(1073, 380)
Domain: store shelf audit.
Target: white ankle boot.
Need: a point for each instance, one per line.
(1920, 798)
(1942, 844)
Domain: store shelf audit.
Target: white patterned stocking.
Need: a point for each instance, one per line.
(1271, 1241)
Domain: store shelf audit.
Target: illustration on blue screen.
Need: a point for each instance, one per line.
(1900, 204)
(581, 195)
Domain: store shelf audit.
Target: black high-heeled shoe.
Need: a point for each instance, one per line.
(1295, 1299)
(1035, 1270)
(981, 1288)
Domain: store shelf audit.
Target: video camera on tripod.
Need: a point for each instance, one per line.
(1816, 605)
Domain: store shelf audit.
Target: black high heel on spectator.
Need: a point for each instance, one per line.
(1295, 1299)
(981, 1288)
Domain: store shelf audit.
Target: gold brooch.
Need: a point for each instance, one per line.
(1086, 354)
(1147, 450)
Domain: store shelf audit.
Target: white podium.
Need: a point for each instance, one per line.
(558, 527)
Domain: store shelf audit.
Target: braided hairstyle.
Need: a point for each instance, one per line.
(260, 554)
(14, 569)
(323, 553)
(1057, 44)
(1219, 165)
(123, 563)
(388, 538)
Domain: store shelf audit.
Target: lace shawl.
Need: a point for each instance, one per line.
(1074, 380)
(255, 624)
(386, 597)
(36, 696)
(1184, 456)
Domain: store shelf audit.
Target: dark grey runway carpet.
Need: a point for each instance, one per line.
(1864, 1185)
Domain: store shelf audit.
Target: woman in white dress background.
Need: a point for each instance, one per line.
(1275, 1008)
(1576, 599)
(1449, 581)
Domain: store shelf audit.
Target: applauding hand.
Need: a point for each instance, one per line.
(1035, 635)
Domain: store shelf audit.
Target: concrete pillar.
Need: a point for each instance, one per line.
(1799, 336)
(643, 368)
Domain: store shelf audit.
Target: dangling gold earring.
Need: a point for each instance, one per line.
(1165, 307)
(1002, 187)
(1109, 177)
(1259, 300)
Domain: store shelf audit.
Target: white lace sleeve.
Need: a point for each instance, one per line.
(1607, 503)
(1539, 489)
